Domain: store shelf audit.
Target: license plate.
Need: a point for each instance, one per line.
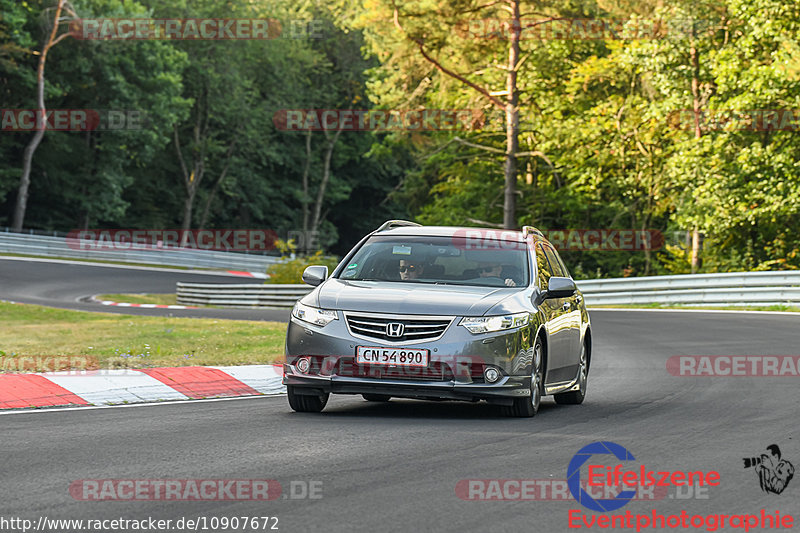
(369, 355)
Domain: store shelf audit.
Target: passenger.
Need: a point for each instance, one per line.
(493, 270)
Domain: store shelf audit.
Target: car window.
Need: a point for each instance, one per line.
(563, 266)
(543, 266)
(556, 264)
(443, 260)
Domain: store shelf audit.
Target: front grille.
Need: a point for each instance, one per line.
(435, 371)
(414, 329)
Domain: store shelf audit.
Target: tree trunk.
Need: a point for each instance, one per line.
(192, 180)
(207, 208)
(326, 174)
(188, 203)
(512, 124)
(30, 149)
(698, 133)
(695, 250)
(213, 193)
(306, 198)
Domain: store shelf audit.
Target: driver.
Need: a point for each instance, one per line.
(410, 269)
(493, 270)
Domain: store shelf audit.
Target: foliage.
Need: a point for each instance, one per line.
(597, 122)
(290, 269)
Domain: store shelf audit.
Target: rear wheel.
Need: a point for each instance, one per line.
(376, 397)
(576, 397)
(306, 404)
(528, 406)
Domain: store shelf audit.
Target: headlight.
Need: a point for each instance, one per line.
(312, 315)
(488, 324)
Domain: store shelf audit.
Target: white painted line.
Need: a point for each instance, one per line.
(785, 313)
(262, 378)
(130, 267)
(114, 386)
(153, 404)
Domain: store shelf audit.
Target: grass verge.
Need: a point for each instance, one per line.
(124, 341)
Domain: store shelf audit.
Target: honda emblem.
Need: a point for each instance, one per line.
(395, 329)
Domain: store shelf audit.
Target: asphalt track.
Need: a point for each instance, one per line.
(68, 285)
(395, 466)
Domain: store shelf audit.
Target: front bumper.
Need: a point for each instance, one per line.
(457, 353)
(503, 392)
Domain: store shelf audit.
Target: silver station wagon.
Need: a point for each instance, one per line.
(441, 313)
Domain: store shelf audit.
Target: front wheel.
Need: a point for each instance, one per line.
(306, 404)
(528, 406)
(576, 397)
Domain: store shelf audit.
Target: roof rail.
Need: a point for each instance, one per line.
(530, 230)
(389, 224)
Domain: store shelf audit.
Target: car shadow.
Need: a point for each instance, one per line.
(423, 409)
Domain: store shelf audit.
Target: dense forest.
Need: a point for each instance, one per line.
(669, 115)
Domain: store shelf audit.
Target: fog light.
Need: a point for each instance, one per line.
(491, 375)
(304, 364)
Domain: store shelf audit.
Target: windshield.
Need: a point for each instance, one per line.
(439, 260)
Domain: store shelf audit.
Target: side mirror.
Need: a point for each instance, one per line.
(314, 275)
(560, 288)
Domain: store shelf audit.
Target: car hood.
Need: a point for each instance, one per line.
(409, 298)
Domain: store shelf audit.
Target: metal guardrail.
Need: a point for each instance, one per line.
(47, 246)
(729, 289)
(241, 295)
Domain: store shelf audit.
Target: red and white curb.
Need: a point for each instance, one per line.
(259, 275)
(111, 387)
(144, 306)
(94, 299)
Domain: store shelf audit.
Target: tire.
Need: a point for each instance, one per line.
(306, 404)
(576, 397)
(528, 406)
(376, 397)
